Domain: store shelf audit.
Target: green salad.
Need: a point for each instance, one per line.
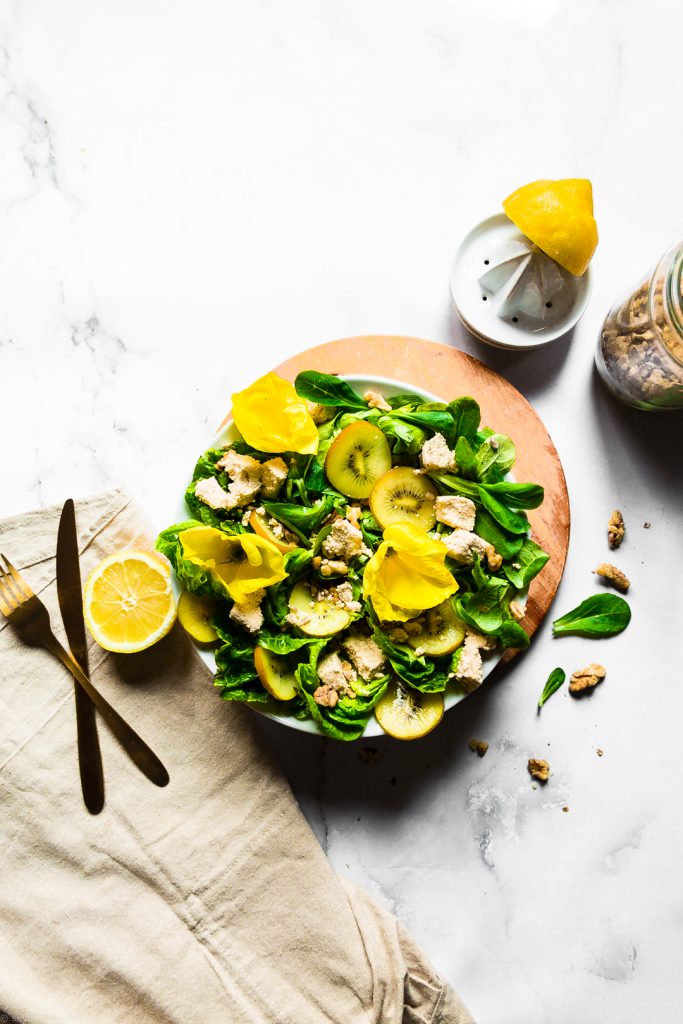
(350, 555)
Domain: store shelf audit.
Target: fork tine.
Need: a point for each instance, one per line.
(13, 591)
(21, 585)
(9, 602)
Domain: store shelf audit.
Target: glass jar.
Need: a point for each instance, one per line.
(640, 352)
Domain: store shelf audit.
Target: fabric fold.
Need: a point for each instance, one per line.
(208, 900)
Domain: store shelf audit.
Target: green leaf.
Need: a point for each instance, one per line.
(512, 635)
(465, 458)
(485, 608)
(436, 420)
(506, 544)
(466, 416)
(429, 675)
(516, 495)
(555, 681)
(326, 389)
(282, 643)
(514, 522)
(276, 601)
(408, 437)
(456, 485)
(601, 615)
(530, 558)
(298, 518)
(498, 450)
(407, 398)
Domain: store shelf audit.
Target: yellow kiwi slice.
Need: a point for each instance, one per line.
(404, 496)
(195, 614)
(442, 632)
(406, 714)
(275, 674)
(357, 458)
(314, 617)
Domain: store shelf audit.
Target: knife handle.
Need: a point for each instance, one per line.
(89, 756)
(136, 748)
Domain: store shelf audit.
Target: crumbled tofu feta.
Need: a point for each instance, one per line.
(331, 671)
(212, 494)
(470, 668)
(462, 546)
(248, 614)
(367, 656)
(273, 475)
(245, 477)
(516, 611)
(456, 512)
(436, 456)
(342, 596)
(343, 541)
(376, 401)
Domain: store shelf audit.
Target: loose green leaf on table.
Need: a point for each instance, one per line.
(601, 615)
(326, 389)
(555, 681)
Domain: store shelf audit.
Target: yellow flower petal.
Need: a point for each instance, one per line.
(271, 417)
(241, 563)
(407, 575)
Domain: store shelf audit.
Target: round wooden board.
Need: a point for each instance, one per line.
(448, 373)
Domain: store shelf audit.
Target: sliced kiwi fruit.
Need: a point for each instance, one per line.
(442, 632)
(404, 496)
(315, 617)
(195, 614)
(406, 714)
(357, 458)
(275, 673)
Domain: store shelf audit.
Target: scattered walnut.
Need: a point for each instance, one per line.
(565, 810)
(538, 769)
(615, 529)
(516, 611)
(478, 746)
(586, 678)
(599, 751)
(613, 575)
(646, 526)
(326, 696)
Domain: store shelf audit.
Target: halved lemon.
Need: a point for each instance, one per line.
(128, 601)
(557, 216)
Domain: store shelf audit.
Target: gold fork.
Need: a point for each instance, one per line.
(29, 616)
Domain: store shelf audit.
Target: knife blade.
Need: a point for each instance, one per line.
(70, 596)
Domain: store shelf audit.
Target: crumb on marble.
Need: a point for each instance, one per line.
(615, 529)
(478, 747)
(611, 574)
(538, 769)
(599, 751)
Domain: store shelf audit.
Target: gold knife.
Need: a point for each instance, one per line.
(70, 598)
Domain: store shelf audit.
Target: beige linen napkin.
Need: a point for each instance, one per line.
(209, 900)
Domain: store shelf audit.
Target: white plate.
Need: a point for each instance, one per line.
(274, 709)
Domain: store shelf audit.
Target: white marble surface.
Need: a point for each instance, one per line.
(190, 192)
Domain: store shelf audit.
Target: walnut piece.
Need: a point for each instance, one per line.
(615, 529)
(478, 747)
(586, 678)
(613, 575)
(538, 769)
(326, 696)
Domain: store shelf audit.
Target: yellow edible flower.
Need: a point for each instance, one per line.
(271, 417)
(407, 575)
(242, 563)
